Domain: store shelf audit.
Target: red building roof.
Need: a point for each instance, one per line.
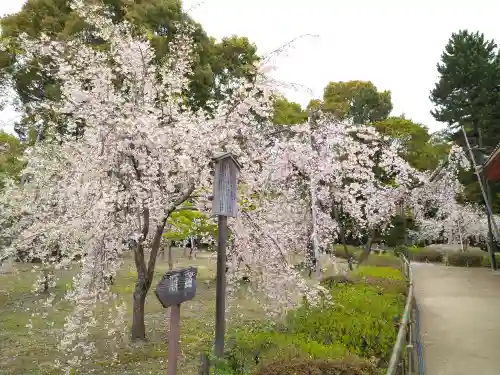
(491, 166)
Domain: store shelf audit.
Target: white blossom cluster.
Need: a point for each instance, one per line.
(338, 160)
(131, 153)
(437, 211)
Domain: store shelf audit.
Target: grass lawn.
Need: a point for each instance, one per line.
(22, 353)
(360, 325)
(25, 353)
(385, 260)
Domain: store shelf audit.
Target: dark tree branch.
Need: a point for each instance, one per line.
(145, 225)
(140, 263)
(159, 231)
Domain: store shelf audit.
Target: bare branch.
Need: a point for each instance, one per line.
(287, 45)
(256, 226)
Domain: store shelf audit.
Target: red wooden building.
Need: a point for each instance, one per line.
(491, 166)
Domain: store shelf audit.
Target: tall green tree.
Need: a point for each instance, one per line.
(11, 163)
(288, 113)
(185, 223)
(215, 63)
(419, 148)
(468, 94)
(468, 91)
(356, 100)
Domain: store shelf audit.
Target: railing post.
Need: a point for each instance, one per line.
(409, 351)
(400, 369)
(403, 359)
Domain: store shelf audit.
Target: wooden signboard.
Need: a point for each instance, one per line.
(224, 205)
(174, 288)
(225, 186)
(177, 286)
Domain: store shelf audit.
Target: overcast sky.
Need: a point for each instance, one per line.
(395, 44)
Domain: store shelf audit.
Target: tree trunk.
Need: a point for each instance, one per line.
(335, 215)
(162, 252)
(314, 235)
(368, 248)
(314, 203)
(46, 283)
(145, 272)
(170, 257)
(310, 258)
(138, 325)
(192, 250)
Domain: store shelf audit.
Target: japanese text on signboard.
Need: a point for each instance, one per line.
(225, 187)
(177, 286)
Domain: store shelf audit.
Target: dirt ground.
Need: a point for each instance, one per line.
(459, 318)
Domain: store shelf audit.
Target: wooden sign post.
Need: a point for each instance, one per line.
(224, 204)
(174, 288)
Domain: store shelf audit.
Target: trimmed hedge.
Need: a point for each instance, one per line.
(386, 259)
(426, 255)
(471, 258)
(465, 259)
(468, 258)
(305, 366)
(383, 279)
(383, 260)
(331, 281)
(339, 252)
(487, 262)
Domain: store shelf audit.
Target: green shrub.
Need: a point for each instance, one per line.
(384, 279)
(396, 233)
(402, 250)
(426, 255)
(420, 243)
(306, 366)
(361, 319)
(415, 249)
(385, 260)
(220, 367)
(331, 281)
(466, 258)
(359, 323)
(388, 286)
(378, 271)
(340, 252)
(487, 262)
(249, 349)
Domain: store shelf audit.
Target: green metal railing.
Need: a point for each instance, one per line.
(404, 359)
